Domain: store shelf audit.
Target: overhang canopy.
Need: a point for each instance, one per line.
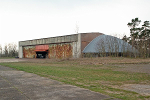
(41, 48)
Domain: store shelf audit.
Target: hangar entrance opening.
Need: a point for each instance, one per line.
(41, 51)
(41, 54)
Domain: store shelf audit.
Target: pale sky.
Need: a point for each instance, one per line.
(32, 19)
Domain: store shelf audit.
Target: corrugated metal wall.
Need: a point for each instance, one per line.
(41, 47)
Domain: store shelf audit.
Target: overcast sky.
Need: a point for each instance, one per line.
(31, 19)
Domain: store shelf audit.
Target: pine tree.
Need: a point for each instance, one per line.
(134, 30)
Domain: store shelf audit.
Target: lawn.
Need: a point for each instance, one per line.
(96, 77)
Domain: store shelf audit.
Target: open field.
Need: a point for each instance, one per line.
(124, 78)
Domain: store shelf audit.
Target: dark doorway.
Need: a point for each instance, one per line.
(41, 51)
(41, 54)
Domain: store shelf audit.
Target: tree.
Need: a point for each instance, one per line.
(0, 50)
(140, 37)
(6, 50)
(12, 49)
(125, 38)
(145, 38)
(133, 29)
(77, 28)
(145, 33)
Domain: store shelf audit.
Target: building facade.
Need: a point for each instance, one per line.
(56, 47)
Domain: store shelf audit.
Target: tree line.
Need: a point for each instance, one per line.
(139, 37)
(9, 50)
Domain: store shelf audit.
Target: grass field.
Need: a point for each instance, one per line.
(93, 74)
(6, 57)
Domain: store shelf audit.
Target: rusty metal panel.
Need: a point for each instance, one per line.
(60, 50)
(41, 47)
(29, 52)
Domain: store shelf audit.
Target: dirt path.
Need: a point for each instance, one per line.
(12, 60)
(143, 89)
(138, 68)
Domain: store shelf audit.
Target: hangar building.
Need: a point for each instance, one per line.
(56, 47)
(106, 45)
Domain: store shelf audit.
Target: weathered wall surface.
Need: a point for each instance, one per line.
(20, 52)
(29, 52)
(86, 38)
(63, 50)
(51, 40)
(59, 47)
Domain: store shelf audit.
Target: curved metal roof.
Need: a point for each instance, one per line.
(107, 43)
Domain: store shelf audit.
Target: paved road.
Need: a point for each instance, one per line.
(19, 85)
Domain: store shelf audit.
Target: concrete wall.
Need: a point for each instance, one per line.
(51, 40)
(20, 52)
